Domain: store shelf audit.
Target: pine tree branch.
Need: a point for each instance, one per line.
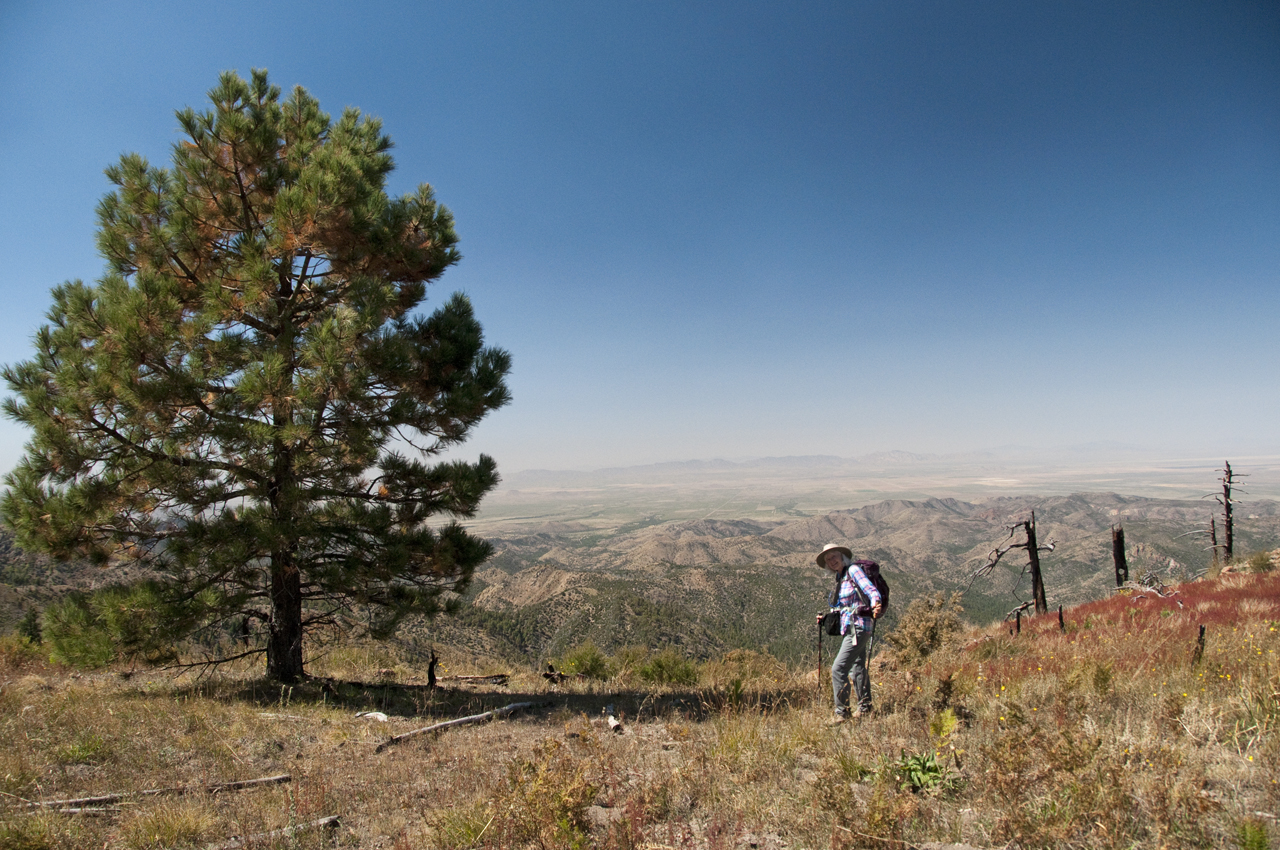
(173, 460)
(213, 662)
(251, 224)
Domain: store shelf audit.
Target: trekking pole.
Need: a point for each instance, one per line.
(871, 644)
(819, 677)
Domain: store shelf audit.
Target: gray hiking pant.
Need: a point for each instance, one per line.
(852, 656)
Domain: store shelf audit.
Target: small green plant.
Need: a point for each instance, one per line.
(943, 724)
(993, 648)
(181, 824)
(120, 622)
(1097, 676)
(734, 692)
(75, 638)
(87, 749)
(851, 768)
(546, 798)
(1252, 834)
(462, 826)
(1260, 562)
(921, 772)
(28, 834)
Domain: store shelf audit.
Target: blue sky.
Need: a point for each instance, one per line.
(751, 229)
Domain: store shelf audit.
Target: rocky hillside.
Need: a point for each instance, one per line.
(710, 585)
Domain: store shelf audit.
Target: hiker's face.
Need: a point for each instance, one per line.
(834, 560)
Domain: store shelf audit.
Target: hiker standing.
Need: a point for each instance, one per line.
(858, 602)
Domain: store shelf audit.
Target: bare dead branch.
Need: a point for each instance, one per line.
(214, 662)
(1024, 606)
(994, 556)
(109, 799)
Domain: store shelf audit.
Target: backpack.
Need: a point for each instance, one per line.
(872, 570)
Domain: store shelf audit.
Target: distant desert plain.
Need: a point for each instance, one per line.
(781, 488)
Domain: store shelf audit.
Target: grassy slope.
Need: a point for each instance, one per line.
(1107, 734)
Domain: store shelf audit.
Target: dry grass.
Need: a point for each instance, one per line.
(1110, 733)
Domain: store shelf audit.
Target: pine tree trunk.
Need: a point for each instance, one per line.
(284, 640)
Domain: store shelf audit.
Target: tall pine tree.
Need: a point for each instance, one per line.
(249, 401)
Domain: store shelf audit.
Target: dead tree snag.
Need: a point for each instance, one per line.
(1033, 558)
(1117, 555)
(1227, 501)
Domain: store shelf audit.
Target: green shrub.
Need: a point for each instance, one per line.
(745, 667)
(586, 659)
(16, 652)
(545, 801)
(76, 637)
(668, 667)
(929, 624)
(629, 658)
(29, 626)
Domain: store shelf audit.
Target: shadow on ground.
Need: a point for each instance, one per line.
(447, 701)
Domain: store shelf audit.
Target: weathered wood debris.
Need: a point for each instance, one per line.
(483, 717)
(92, 805)
(330, 822)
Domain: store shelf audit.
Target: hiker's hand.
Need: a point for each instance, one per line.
(875, 610)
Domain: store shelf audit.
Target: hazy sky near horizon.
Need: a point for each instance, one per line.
(754, 228)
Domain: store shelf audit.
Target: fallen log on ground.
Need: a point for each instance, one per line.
(461, 721)
(78, 805)
(1162, 591)
(495, 679)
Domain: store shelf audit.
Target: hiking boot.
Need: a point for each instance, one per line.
(838, 720)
